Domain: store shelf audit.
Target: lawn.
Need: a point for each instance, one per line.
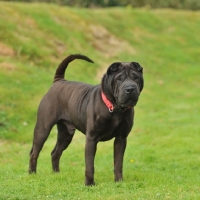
(162, 158)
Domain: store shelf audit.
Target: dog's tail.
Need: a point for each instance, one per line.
(60, 72)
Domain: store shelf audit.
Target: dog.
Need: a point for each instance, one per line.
(101, 112)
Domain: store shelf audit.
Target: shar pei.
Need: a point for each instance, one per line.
(101, 112)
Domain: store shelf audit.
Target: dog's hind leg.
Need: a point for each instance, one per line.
(65, 135)
(41, 133)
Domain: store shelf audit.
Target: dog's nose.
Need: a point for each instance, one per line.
(130, 90)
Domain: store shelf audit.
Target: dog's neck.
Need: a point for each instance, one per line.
(110, 106)
(107, 102)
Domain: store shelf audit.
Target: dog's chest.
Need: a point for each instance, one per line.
(109, 128)
(115, 121)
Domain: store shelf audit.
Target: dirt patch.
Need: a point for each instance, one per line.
(108, 43)
(7, 66)
(60, 47)
(30, 23)
(6, 50)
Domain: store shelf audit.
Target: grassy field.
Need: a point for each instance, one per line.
(163, 154)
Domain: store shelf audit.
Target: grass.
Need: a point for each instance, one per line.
(163, 153)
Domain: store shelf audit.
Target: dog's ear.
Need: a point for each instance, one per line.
(141, 84)
(113, 67)
(139, 69)
(137, 66)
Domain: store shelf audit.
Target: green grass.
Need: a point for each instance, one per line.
(163, 153)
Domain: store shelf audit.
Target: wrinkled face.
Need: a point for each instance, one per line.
(127, 83)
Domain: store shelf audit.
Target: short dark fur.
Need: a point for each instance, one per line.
(73, 105)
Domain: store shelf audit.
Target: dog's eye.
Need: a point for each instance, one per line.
(134, 76)
(120, 78)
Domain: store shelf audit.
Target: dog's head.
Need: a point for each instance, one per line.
(123, 83)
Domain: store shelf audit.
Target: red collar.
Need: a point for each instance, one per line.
(110, 105)
(107, 102)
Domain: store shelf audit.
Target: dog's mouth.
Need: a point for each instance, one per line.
(127, 103)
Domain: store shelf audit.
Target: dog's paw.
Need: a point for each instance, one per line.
(89, 183)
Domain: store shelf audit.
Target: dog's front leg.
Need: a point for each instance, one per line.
(119, 149)
(90, 151)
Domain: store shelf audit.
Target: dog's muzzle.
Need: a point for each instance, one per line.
(128, 94)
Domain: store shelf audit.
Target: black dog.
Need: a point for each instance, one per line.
(101, 112)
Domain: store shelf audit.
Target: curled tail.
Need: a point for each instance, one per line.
(60, 72)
